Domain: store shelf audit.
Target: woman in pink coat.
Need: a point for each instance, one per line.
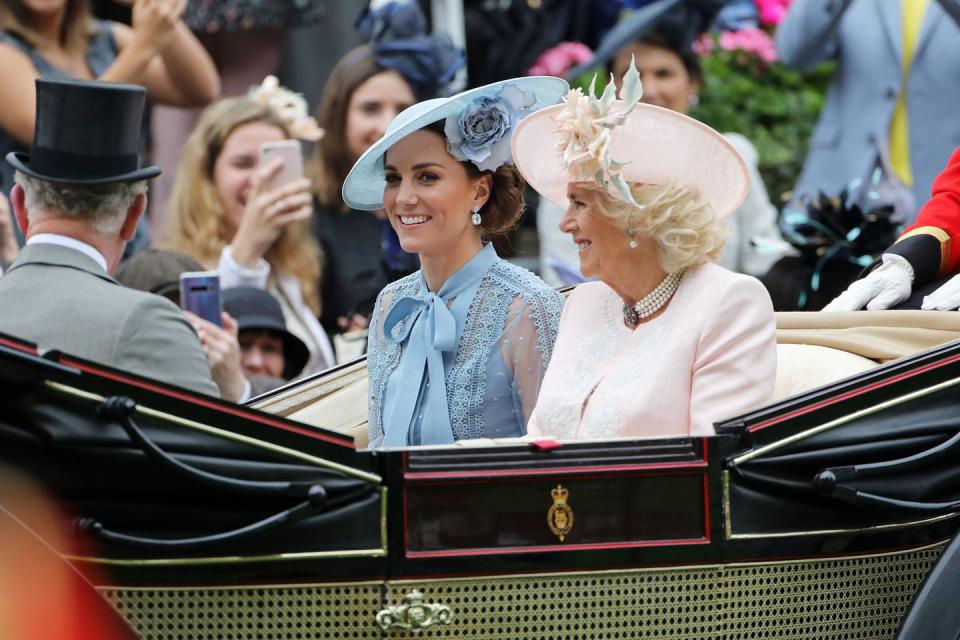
(665, 342)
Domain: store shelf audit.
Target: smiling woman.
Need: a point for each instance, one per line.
(666, 342)
(228, 215)
(458, 349)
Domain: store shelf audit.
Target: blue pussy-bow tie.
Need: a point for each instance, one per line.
(431, 328)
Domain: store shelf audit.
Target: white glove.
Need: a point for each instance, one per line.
(946, 298)
(886, 286)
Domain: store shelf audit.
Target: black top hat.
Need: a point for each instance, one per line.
(257, 310)
(86, 133)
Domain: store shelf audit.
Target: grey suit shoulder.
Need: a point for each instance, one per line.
(59, 298)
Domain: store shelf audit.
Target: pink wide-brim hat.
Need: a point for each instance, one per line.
(660, 146)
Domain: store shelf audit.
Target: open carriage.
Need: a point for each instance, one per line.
(819, 516)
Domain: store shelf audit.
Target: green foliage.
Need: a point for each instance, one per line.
(774, 106)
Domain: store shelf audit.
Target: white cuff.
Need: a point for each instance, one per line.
(233, 274)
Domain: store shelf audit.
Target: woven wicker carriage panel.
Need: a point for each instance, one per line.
(861, 598)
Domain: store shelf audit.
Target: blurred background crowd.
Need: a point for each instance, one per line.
(844, 111)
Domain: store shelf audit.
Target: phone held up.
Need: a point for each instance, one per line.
(292, 169)
(200, 295)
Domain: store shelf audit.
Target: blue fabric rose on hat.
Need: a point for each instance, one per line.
(481, 132)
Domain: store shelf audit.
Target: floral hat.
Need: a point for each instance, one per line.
(615, 140)
(290, 107)
(479, 124)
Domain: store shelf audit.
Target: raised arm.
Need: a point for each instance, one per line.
(808, 34)
(162, 54)
(159, 53)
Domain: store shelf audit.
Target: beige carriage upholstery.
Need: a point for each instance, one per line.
(813, 349)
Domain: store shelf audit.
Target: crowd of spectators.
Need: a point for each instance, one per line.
(300, 269)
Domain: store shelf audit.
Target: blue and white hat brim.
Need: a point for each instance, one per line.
(363, 188)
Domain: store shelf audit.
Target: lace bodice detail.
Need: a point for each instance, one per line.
(503, 348)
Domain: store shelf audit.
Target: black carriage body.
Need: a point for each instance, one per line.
(745, 534)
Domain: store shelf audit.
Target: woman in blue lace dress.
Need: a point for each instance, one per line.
(457, 350)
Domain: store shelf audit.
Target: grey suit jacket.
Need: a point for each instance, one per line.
(865, 38)
(59, 298)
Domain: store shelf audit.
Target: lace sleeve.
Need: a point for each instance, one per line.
(376, 370)
(527, 344)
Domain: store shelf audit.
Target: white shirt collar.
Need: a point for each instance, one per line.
(70, 243)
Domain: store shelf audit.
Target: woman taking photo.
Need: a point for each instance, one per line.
(457, 350)
(366, 90)
(60, 39)
(227, 216)
(666, 342)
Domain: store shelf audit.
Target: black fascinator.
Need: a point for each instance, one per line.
(678, 22)
(836, 238)
(399, 37)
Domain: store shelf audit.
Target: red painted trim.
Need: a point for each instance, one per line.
(210, 404)
(561, 546)
(853, 393)
(17, 346)
(554, 548)
(548, 471)
(706, 507)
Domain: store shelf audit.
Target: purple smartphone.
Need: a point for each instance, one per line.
(200, 295)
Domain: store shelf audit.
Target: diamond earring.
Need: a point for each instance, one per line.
(633, 239)
(475, 218)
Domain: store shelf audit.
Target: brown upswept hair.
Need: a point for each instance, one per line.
(196, 223)
(75, 32)
(504, 208)
(330, 163)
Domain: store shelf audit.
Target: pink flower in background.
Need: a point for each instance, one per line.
(557, 60)
(771, 12)
(703, 46)
(755, 41)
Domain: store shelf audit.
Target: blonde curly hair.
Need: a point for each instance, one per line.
(684, 226)
(197, 225)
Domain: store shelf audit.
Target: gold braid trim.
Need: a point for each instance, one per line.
(942, 236)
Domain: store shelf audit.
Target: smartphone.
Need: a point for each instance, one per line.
(200, 295)
(292, 154)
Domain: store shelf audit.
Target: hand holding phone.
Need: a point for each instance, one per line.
(291, 153)
(200, 295)
(279, 196)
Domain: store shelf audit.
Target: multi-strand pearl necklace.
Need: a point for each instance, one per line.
(653, 301)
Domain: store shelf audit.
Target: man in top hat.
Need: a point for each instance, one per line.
(78, 197)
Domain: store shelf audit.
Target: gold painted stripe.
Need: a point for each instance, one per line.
(176, 562)
(183, 422)
(559, 575)
(241, 587)
(845, 419)
(687, 567)
(942, 236)
(279, 557)
(728, 529)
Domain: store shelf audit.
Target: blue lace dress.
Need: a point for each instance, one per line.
(464, 362)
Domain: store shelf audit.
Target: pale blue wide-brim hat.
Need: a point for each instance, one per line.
(363, 188)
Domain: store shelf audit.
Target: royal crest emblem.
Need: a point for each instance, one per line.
(560, 515)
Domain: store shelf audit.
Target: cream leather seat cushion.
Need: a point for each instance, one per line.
(801, 367)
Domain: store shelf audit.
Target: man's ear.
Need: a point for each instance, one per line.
(483, 186)
(134, 213)
(18, 198)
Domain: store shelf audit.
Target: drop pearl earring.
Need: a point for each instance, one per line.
(475, 218)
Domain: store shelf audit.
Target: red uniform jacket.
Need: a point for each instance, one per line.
(932, 243)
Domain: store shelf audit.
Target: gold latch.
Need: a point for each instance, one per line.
(414, 614)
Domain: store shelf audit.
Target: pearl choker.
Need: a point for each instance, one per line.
(653, 301)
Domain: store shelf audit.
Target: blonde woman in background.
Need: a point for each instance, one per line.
(225, 216)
